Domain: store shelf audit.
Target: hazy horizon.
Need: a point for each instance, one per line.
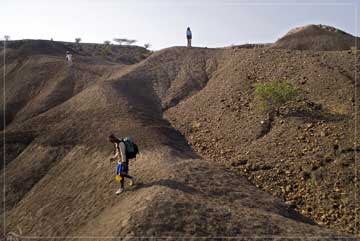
(163, 23)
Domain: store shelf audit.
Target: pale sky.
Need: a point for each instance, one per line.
(162, 23)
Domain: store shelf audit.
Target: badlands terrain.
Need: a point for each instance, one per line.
(211, 165)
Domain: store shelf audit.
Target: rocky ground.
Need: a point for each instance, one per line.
(210, 165)
(306, 159)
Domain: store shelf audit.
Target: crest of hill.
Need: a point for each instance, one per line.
(38, 78)
(318, 38)
(123, 54)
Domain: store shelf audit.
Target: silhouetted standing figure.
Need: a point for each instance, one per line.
(189, 37)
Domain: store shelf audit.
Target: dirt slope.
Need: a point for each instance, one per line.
(58, 178)
(306, 159)
(38, 79)
(318, 38)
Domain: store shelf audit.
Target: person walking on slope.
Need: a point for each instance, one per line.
(68, 58)
(189, 37)
(122, 161)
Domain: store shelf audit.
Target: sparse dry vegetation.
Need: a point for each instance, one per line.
(126, 41)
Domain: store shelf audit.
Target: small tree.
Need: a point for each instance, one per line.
(77, 40)
(131, 41)
(122, 41)
(6, 37)
(147, 45)
(274, 95)
(107, 42)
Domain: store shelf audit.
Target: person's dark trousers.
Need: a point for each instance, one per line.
(124, 174)
(189, 42)
(122, 182)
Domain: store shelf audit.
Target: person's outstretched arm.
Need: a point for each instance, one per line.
(116, 153)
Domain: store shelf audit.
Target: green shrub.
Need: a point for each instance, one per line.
(275, 94)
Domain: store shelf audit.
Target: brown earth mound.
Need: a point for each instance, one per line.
(59, 184)
(306, 158)
(317, 38)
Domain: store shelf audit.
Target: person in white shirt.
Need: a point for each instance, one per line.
(189, 37)
(68, 58)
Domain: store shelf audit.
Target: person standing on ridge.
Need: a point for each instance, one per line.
(122, 160)
(68, 58)
(189, 37)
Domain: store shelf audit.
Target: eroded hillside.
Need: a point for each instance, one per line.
(308, 158)
(58, 180)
